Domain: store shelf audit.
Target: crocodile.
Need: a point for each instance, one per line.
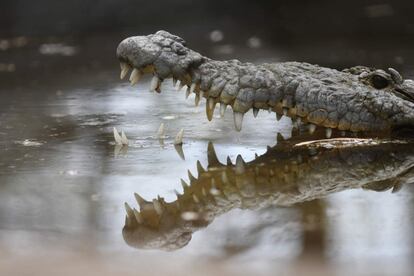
(283, 176)
(352, 102)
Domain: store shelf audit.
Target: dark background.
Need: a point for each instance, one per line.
(277, 20)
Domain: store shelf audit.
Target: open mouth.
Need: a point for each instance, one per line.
(301, 119)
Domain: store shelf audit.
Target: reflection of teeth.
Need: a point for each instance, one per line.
(129, 210)
(224, 177)
(200, 168)
(117, 137)
(155, 83)
(135, 76)
(188, 216)
(124, 139)
(141, 201)
(238, 120)
(157, 207)
(124, 69)
(174, 82)
(214, 192)
(138, 216)
(240, 165)
(179, 138)
(161, 131)
(195, 198)
(184, 184)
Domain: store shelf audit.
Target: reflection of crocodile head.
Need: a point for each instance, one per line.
(281, 177)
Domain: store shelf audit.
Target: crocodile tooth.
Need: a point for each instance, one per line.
(255, 111)
(210, 104)
(328, 132)
(191, 176)
(184, 184)
(177, 193)
(200, 168)
(124, 139)
(285, 111)
(195, 198)
(240, 165)
(192, 87)
(138, 216)
(140, 200)
(135, 76)
(179, 138)
(213, 183)
(187, 93)
(129, 210)
(312, 128)
(174, 81)
(117, 137)
(157, 207)
(223, 107)
(124, 69)
(155, 84)
(255, 155)
(278, 116)
(212, 156)
(238, 120)
(161, 131)
(197, 99)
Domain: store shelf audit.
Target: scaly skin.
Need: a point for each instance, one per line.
(355, 100)
(283, 176)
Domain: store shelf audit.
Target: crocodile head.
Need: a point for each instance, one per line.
(283, 176)
(348, 102)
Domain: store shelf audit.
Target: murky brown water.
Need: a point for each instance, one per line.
(63, 184)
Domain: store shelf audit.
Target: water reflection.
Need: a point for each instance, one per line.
(284, 176)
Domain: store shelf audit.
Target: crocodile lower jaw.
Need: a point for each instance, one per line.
(298, 119)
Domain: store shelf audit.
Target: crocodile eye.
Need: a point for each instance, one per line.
(379, 82)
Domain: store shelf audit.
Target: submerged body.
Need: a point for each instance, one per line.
(355, 100)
